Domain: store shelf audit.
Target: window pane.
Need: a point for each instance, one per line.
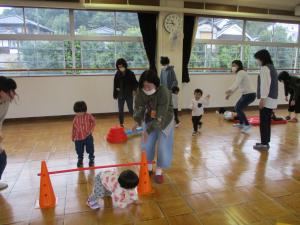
(214, 56)
(95, 23)
(220, 29)
(11, 20)
(223, 55)
(133, 52)
(284, 32)
(127, 24)
(285, 58)
(248, 53)
(98, 55)
(47, 21)
(259, 31)
(42, 54)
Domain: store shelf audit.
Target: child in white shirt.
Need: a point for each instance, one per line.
(175, 91)
(197, 107)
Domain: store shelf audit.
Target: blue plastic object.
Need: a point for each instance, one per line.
(138, 131)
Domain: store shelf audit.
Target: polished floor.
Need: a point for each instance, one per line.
(216, 177)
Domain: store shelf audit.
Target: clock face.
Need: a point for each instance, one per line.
(172, 22)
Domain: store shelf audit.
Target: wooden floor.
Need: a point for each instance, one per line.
(216, 177)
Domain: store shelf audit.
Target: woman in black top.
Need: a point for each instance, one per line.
(292, 88)
(125, 85)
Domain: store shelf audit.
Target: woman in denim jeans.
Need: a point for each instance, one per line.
(153, 108)
(243, 83)
(7, 94)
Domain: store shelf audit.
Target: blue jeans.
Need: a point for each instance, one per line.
(3, 162)
(242, 104)
(121, 103)
(164, 147)
(88, 143)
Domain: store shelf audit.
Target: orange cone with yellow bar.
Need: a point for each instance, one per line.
(47, 195)
(144, 186)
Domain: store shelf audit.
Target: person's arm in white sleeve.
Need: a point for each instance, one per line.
(236, 84)
(265, 82)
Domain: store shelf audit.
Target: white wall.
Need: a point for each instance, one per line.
(53, 96)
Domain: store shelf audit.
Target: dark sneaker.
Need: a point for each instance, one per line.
(261, 147)
(159, 179)
(287, 117)
(80, 163)
(150, 173)
(91, 163)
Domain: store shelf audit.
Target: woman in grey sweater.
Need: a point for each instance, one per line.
(7, 94)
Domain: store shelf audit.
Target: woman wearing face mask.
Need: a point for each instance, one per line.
(125, 85)
(242, 82)
(267, 93)
(153, 108)
(7, 94)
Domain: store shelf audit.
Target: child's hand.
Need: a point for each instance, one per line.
(293, 103)
(137, 202)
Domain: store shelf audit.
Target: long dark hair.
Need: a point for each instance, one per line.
(264, 56)
(239, 64)
(7, 85)
(122, 62)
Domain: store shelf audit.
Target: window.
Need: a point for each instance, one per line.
(46, 21)
(219, 29)
(11, 20)
(98, 39)
(220, 41)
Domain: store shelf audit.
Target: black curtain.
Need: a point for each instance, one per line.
(148, 28)
(188, 30)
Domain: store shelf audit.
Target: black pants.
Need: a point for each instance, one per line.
(88, 143)
(196, 122)
(265, 115)
(3, 162)
(294, 108)
(121, 103)
(242, 104)
(176, 116)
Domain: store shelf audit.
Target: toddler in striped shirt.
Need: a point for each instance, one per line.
(83, 127)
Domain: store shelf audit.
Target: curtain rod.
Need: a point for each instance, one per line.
(140, 8)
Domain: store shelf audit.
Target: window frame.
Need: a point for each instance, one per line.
(71, 37)
(244, 42)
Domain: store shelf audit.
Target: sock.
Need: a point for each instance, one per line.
(158, 171)
(150, 167)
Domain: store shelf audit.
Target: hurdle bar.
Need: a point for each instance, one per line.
(95, 168)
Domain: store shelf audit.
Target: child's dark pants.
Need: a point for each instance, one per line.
(88, 143)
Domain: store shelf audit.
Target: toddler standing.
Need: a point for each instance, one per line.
(197, 107)
(83, 127)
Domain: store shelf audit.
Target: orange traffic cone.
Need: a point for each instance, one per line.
(47, 195)
(144, 186)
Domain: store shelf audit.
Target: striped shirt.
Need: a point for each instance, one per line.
(83, 126)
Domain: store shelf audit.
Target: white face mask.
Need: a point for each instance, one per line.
(149, 92)
(234, 69)
(258, 62)
(122, 69)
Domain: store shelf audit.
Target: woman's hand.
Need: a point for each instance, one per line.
(286, 98)
(261, 103)
(135, 126)
(293, 103)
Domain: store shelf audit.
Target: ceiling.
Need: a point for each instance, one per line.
(274, 4)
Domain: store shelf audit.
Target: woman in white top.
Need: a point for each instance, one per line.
(243, 83)
(267, 93)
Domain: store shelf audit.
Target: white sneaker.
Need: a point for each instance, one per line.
(194, 133)
(246, 129)
(177, 125)
(3, 186)
(93, 204)
(238, 125)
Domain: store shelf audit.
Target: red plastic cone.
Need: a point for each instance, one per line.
(144, 186)
(47, 195)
